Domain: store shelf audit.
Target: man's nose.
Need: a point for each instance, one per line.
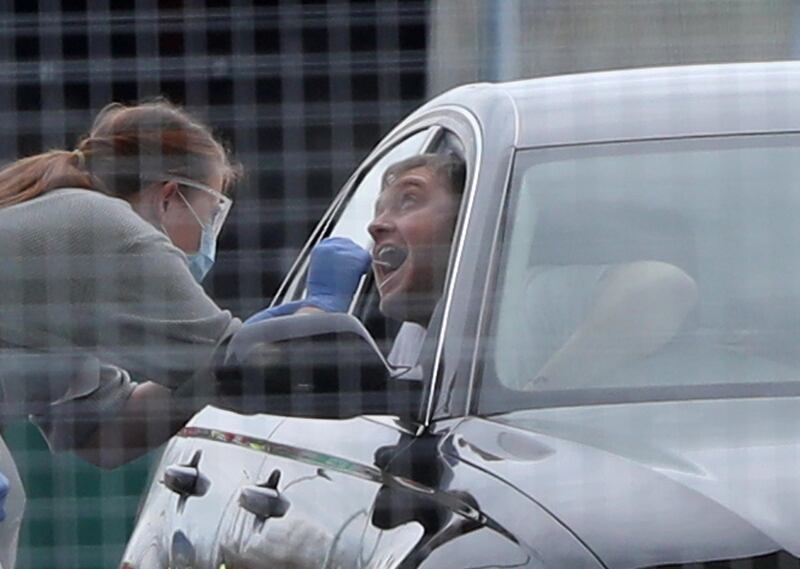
(380, 225)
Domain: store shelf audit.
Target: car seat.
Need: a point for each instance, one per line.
(557, 257)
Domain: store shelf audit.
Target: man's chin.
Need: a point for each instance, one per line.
(401, 307)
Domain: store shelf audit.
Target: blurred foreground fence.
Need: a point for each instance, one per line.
(301, 90)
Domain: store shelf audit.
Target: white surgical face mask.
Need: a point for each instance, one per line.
(201, 261)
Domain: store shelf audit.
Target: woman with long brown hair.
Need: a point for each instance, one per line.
(102, 319)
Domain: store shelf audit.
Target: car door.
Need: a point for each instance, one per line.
(312, 497)
(317, 488)
(442, 502)
(442, 505)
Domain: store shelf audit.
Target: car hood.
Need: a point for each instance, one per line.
(654, 483)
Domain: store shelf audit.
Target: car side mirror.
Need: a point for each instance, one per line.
(323, 365)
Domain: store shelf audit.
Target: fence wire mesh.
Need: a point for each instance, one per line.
(301, 91)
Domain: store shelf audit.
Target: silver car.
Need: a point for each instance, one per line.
(610, 379)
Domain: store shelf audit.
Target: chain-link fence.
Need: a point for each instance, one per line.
(301, 91)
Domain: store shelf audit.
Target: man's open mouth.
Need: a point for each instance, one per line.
(389, 258)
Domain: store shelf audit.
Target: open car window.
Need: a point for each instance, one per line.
(354, 217)
(646, 271)
(351, 219)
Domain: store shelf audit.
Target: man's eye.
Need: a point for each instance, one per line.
(408, 200)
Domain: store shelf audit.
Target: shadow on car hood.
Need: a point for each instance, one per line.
(654, 483)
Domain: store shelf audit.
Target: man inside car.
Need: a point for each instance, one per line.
(415, 215)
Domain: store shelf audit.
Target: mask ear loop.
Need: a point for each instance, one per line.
(191, 209)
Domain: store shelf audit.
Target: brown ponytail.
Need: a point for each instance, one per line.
(30, 177)
(127, 148)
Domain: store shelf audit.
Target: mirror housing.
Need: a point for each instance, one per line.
(323, 365)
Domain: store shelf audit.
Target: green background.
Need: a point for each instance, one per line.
(77, 515)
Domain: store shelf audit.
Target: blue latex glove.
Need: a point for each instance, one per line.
(336, 267)
(3, 493)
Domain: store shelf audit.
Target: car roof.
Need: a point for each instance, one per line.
(651, 103)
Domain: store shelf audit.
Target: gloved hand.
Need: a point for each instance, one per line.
(3, 493)
(336, 267)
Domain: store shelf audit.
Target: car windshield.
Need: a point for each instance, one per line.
(649, 270)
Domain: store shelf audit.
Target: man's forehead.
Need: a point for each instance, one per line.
(390, 181)
(391, 178)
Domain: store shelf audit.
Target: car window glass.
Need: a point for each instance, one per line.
(648, 267)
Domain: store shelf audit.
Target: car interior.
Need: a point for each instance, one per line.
(743, 327)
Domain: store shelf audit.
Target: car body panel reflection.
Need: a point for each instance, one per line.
(328, 475)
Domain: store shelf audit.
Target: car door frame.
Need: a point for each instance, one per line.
(473, 261)
(465, 126)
